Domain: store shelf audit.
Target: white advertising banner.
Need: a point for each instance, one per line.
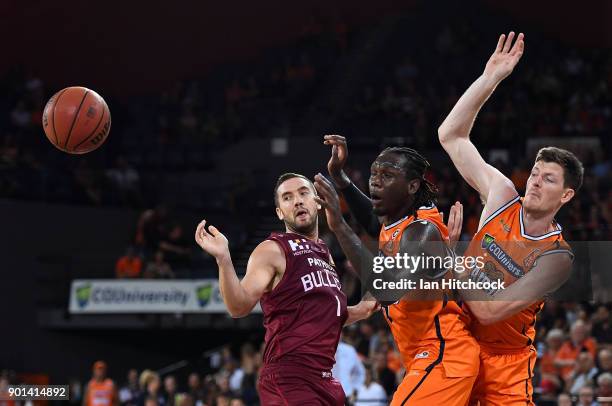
(142, 296)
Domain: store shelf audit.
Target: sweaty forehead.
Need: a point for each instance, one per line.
(389, 160)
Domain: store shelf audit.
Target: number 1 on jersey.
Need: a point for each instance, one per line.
(338, 311)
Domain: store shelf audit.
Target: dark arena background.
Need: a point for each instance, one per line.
(210, 103)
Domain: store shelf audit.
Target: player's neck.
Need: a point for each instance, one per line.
(537, 223)
(314, 235)
(392, 218)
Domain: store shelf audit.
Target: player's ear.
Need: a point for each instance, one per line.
(280, 214)
(319, 207)
(567, 195)
(413, 186)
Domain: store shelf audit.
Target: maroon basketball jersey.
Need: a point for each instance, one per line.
(305, 312)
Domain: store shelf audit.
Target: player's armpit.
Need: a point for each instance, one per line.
(549, 273)
(264, 263)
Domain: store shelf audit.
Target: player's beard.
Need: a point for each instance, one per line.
(304, 228)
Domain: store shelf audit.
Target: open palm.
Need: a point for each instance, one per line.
(505, 57)
(212, 241)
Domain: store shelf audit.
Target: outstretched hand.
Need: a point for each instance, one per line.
(329, 200)
(338, 159)
(455, 223)
(212, 241)
(505, 57)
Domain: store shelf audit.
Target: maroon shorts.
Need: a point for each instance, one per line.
(288, 386)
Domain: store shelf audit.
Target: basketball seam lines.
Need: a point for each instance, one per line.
(76, 115)
(53, 115)
(94, 130)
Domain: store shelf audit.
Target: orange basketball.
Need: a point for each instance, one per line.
(76, 120)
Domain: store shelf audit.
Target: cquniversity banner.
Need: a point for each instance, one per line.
(138, 296)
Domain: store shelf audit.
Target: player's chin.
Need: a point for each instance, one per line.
(304, 225)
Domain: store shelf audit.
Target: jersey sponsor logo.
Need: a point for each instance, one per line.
(422, 355)
(299, 244)
(488, 244)
(530, 259)
(395, 233)
(326, 374)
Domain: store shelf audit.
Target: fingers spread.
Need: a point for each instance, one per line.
(519, 44)
(508, 42)
(500, 43)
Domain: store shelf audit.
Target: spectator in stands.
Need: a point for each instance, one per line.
(602, 327)
(224, 387)
(151, 228)
(579, 341)
(583, 373)
(604, 384)
(554, 340)
(170, 390)
(223, 400)
(236, 402)
(564, 399)
(129, 265)
(176, 248)
(100, 389)
(371, 393)
(248, 389)
(130, 392)
(604, 362)
(384, 375)
(195, 389)
(348, 369)
(586, 396)
(234, 375)
(158, 268)
(151, 387)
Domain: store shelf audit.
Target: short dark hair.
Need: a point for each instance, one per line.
(284, 177)
(415, 167)
(573, 171)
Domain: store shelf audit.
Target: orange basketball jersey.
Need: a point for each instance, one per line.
(508, 254)
(428, 329)
(100, 393)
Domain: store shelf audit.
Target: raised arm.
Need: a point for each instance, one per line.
(454, 133)
(359, 204)
(241, 296)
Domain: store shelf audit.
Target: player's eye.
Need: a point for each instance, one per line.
(304, 192)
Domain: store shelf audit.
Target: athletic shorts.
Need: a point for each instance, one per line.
(288, 386)
(505, 379)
